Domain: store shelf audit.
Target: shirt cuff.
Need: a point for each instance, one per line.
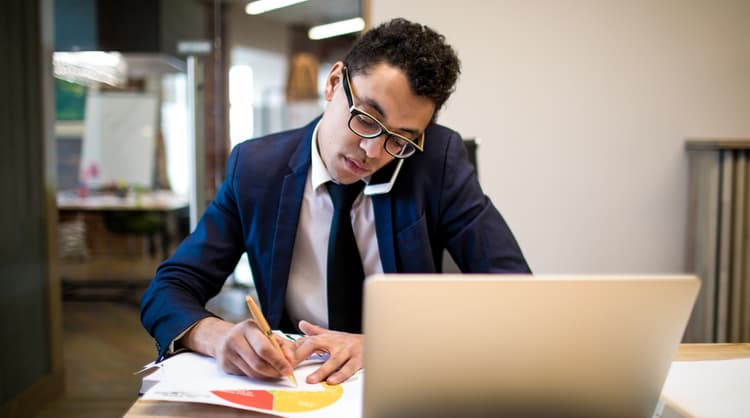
(175, 346)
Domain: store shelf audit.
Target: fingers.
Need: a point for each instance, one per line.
(246, 350)
(252, 365)
(305, 347)
(288, 348)
(310, 329)
(333, 371)
(267, 352)
(345, 354)
(343, 373)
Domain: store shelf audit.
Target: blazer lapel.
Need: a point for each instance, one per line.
(384, 230)
(292, 191)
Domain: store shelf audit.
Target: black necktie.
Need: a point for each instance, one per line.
(345, 273)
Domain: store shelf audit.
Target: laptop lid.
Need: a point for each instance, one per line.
(520, 346)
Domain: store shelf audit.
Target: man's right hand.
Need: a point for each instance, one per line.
(241, 348)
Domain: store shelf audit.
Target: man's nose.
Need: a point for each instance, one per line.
(373, 147)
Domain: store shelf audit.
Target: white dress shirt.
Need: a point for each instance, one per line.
(306, 293)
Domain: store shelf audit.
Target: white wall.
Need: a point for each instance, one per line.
(263, 45)
(583, 108)
(255, 31)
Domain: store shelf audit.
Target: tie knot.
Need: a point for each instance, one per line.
(344, 195)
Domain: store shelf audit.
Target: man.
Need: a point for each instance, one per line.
(279, 205)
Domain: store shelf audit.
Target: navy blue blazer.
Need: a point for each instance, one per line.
(435, 204)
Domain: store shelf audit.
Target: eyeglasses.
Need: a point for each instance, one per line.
(367, 126)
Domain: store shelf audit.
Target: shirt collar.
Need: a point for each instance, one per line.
(318, 173)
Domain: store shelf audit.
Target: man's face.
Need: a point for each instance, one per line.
(382, 92)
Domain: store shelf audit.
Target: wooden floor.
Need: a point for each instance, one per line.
(103, 345)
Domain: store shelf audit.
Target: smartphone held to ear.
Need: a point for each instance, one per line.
(382, 181)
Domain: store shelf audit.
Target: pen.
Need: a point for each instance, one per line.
(257, 315)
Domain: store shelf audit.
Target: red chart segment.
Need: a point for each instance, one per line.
(261, 399)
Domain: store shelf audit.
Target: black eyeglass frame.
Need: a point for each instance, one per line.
(354, 111)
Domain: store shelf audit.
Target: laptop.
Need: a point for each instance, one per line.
(452, 345)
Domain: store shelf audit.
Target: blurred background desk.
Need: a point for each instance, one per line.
(159, 200)
(110, 245)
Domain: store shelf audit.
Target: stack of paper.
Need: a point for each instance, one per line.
(190, 377)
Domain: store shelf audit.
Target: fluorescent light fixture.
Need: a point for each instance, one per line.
(262, 6)
(90, 67)
(336, 28)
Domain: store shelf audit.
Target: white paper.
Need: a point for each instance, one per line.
(710, 389)
(190, 377)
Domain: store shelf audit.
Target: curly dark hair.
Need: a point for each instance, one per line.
(430, 65)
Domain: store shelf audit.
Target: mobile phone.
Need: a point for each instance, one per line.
(382, 181)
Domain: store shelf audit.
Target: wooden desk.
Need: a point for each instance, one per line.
(698, 352)
(158, 409)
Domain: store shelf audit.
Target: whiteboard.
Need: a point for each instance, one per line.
(119, 139)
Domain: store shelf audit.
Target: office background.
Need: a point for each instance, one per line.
(583, 108)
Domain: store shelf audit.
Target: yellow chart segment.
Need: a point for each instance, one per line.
(283, 400)
(297, 401)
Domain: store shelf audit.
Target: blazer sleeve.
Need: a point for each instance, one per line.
(475, 233)
(176, 297)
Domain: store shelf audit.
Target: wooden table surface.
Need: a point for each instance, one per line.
(697, 352)
(160, 409)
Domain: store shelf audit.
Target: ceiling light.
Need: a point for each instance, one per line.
(90, 67)
(262, 6)
(337, 28)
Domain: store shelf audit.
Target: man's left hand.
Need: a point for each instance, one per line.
(344, 350)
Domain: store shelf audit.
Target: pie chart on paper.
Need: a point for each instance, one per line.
(283, 400)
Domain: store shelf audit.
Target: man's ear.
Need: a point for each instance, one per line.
(333, 80)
